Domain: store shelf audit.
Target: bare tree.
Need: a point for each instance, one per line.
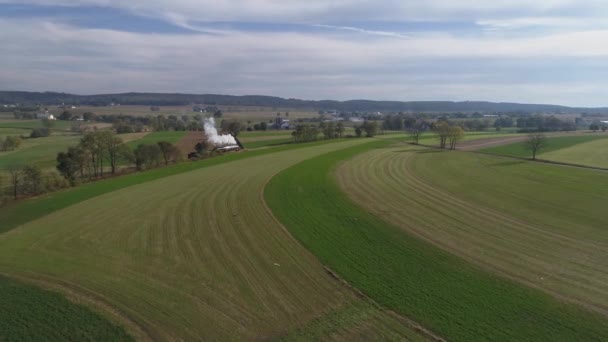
(534, 143)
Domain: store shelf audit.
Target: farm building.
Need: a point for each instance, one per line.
(45, 116)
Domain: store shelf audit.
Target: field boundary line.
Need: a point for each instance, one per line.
(543, 161)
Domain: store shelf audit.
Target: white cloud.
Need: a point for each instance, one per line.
(326, 11)
(49, 56)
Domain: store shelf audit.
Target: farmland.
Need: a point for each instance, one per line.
(242, 113)
(200, 257)
(28, 313)
(439, 290)
(43, 151)
(592, 153)
(553, 143)
(191, 250)
(513, 229)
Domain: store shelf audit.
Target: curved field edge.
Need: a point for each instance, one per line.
(536, 223)
(200, 257)
(18, 213)
(440, 291)
(29, 313)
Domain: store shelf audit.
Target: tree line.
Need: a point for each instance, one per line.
(100, 150)
(31, 180)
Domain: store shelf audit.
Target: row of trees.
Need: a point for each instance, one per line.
(540, 123)
(100, 149)
(369, 127)
(332, 130)
(305, 133)
(31, 180)
(597, 125)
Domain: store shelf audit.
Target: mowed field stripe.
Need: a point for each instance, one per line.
(405, 188)
(445, 293)
(197, 256)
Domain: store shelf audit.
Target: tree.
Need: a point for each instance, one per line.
(455, 134)
(534, 143)
(15, 177)
(32, 179)
(10, 143)
(370, 128)
(89, 116)
(340, 129)
(40, 133)
(442, 129)
(95, 150)
(231, 126)
(65, 115)
(169, 151)
(595, 126)
(67, 165)
(414, 133)
(110, 146)
(358, 131)
(147, 156)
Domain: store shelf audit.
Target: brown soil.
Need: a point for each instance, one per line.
(187, 143)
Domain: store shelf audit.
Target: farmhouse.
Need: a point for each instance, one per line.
(45, 116)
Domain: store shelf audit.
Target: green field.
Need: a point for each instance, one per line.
(442, 292)
(39, 151)
(593, 153)
(30, 314)
(514, 229)
(191, 251)
(43, 151)
(552, 144)
(31, 124)
(193, 256)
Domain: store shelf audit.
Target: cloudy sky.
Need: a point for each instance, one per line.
(545, 51)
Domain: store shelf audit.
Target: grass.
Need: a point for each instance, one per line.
(442, 292)
(537, 223)
(592, 153)
(31, 124)
(194, 255)
(20, 212)
(30, 314)
(267, 143)
(553, 144)
(39, 151)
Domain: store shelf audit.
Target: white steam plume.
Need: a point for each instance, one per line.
(219, 140)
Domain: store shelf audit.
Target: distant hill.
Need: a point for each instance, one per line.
(167, 99)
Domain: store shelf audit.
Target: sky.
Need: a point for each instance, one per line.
(545, 51)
